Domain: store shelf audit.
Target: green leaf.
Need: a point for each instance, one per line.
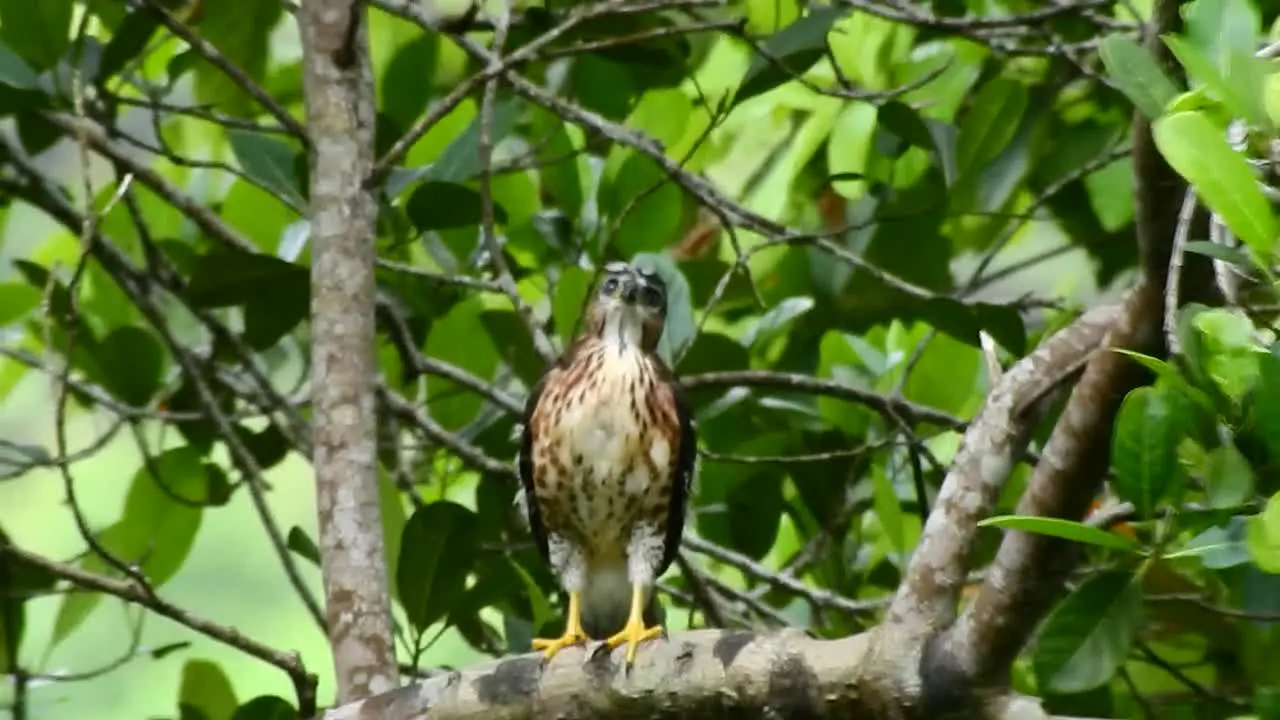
(1218, 548)
(1263, 537)
(438, 205)
(437, 551)
(1265, 405)
(1170, 374)
(14, 72)
(1088, 636)
(39, 32)
(1197, 150)
(207, 690)
(929, 134)
(1237, 79)
(680, 329)
(460, 161)
(791, 52)
(777, 321)
(302, 545)
(453, 339)
(266, 707)
(1144, 450)
(996, 112)
(155, 531)
(271, 162)
(1228, 477)
(132, 364)
(644, 206)
(17, 300)
(889, 510)
(1232, 255)
(1137, 75)
(572, 288)
(242, 32)
(1065, 529)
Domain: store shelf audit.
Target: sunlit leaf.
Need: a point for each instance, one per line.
(1065, 529)
(1199, 152)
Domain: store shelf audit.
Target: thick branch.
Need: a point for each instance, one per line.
(1027, 575)
(338, 84)
(927, 598)
(697, 674)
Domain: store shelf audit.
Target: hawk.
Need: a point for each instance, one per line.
(606, 460)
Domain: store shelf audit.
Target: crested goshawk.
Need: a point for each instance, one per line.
(606, 459)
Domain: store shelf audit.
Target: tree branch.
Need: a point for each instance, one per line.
(129, 591)
(338, 89)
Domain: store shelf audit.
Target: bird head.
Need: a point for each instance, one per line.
(630, 307)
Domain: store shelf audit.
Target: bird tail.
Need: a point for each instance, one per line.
(606, 602)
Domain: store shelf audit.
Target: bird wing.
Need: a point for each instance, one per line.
(683, 466)
(524, 465)
(524, 462)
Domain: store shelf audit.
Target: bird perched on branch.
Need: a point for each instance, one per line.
(606, 459)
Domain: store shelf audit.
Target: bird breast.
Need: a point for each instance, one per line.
(606, 456)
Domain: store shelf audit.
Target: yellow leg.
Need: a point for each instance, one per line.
(573, 633)
(635, 632)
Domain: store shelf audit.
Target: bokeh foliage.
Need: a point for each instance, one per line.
(888, 185)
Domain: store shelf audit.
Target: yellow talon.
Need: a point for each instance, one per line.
(573, 632)
(635, 631)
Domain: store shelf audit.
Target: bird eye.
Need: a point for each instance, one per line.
(610, 286)
(651, 297)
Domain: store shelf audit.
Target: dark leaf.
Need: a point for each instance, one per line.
(36, 133)
(437, 551)
(1088, 636)
(268, 446)
(511, 338)
(274, 313)
(406, 83)
(127, 42)
(1265, 404)
(225, 278)
(132, 364)
(301, 544)
(791, 52)
(168, 649)
(266, 707)
(436, 205)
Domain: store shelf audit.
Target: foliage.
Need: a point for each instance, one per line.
(848, 204)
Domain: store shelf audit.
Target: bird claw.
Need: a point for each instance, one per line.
(550, 647)
(633, 634)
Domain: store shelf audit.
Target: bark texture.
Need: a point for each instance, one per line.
(340, 116)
